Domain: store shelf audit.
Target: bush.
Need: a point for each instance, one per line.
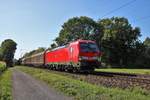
(2, 66)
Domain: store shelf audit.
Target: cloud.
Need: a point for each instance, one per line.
(7, 33)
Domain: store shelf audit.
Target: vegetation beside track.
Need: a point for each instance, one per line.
(6, 85)
(82, 90)
(2, 66)
(131, 71)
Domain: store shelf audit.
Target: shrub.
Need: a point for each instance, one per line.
(2, 66)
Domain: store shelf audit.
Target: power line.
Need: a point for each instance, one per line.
(124, 5)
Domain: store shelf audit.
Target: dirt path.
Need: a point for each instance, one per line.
(26, 87)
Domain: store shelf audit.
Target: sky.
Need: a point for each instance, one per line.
(36, 23)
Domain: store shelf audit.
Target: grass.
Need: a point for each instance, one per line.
(2, 66)
(132, 71)
(6, 85)
(80, 90)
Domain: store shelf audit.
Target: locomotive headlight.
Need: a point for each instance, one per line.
(94, 58)
(83, 58)
(87, 58)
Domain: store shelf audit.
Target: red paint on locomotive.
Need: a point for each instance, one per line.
(79, 55)
(74, 52)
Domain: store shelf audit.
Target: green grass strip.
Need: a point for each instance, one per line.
(132, 71)
(80, 90)
(6, 85)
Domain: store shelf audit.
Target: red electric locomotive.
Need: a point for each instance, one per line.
(81, 55)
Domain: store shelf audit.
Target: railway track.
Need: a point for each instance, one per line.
(111, 79)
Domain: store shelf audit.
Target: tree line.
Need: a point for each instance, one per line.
(7, 51)
(38, 50)
(116, 37)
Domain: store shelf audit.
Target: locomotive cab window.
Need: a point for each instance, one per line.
(88, 47)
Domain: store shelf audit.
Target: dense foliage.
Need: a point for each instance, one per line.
(7, 51)
(147, 42)
(77, 28)
(1, 54)
(120, 41)
(144, 58)
(2, 67)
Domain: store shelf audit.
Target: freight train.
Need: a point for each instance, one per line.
(80, 55)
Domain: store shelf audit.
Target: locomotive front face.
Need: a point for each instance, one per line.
(88, 51)
(89, 55)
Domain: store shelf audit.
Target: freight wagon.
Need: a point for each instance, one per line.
(80, 55)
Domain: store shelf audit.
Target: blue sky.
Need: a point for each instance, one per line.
(36, 23)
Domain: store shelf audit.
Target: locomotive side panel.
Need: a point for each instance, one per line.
(74, 52)
(57, 56)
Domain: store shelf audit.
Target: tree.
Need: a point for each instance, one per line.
(0, 54)
(38, 50)
(147, 42)
(53, 45)
(8, 48)
(77, 28)
(119, 40)
(147, 47)
(143, 60)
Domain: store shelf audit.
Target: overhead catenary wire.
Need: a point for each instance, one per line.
(122, 6)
